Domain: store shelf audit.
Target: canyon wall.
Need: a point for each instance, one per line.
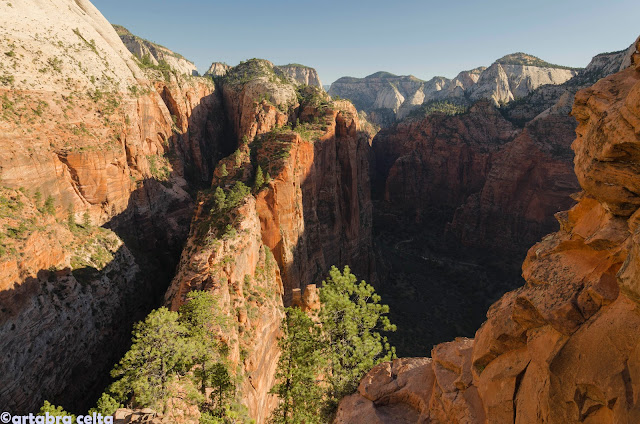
(563, 348)
(88, 139)
(460, 191)
(313, 211)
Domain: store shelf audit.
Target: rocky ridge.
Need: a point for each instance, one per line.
(155, 53)
(313, 212)
(387, 98)
(563, 348)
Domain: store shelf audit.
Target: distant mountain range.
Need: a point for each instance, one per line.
(386, 97)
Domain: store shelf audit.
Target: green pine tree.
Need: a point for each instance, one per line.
(106, 405)
(55, 411)
(267, 178)
(259, 180)
(351, 317)
(223, 170)
(158, 355)
(223, 389)
(299, 365)
(219, 199)
(198, 317)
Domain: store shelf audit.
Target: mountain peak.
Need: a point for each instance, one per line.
(520, 58)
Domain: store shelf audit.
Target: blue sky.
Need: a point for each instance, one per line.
(358, 38)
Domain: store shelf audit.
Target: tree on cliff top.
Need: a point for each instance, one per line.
(158, 355)
(343, 345)
(352, 319)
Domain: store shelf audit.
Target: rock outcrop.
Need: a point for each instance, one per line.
(314, 211)
(563, 348)
(154, 53)
(301, 74)
(387, 98)
(218, 69)
(88, 139)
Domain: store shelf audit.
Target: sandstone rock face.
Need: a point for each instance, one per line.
(564, 347)
(218, 69)
(155, 52)
(257, 99)
(240, 270)
(495, 174)
(515, 76)
(313, 212)
(87, 136)
(390, 98)
(317, 212)
(301, 74)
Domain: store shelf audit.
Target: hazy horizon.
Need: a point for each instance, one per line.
(424, 39)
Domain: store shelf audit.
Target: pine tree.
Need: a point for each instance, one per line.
(158, 355)
(267, 178)
(298, 368)
(199, 319)
(223, 389)
(106, 405)
(351, 317)
(219, 199)
(55, 411)
(223, 170)
(259, 180)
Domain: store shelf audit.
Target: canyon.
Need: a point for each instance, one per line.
(541, 354)
(113, 153)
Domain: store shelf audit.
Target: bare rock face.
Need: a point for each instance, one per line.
(89, 139)
(241, 271)
(218, 69)
(155, 53)
(564, 347)
(489, 179)
(515, 76)
(313, 212)
(389, 98)
(301, 74)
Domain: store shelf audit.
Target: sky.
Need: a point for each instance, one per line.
(357, 38)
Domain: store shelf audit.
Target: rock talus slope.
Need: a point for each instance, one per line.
(87, 139)
(564, 347)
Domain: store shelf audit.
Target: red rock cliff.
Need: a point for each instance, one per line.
(85, 137)
(313, 212)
